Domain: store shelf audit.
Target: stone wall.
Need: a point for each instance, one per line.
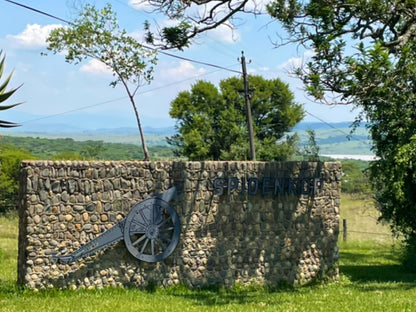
(241, 222)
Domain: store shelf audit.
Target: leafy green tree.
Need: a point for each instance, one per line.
(311, 150)
(67, 156)
(93, 149)
(365, 55)
(5, 95)
(190, 18)
(10, 158)
(97, 35)
(355, 178)
(212, 122)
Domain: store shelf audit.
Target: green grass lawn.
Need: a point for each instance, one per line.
(371, 279)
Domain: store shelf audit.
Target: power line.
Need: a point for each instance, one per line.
(198, 62)
(332, 126)
(144, 46)
(154, 49)
(74, 110)
(117, 99)
(39, 11)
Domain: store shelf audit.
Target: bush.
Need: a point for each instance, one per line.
(409, 255)
(10, 159)
(355, 179)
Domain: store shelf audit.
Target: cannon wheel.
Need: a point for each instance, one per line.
(152, 230)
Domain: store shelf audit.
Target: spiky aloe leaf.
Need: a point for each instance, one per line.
(4, 95)
(9, 106)
(2, 63)
(5, 83)
(8, 124)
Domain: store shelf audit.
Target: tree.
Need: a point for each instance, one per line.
(10, 159)
(212, 122)
(93, 149)
(355, 178)
(5, 95)
(190, 18)
(365, 55)
(97, 35)
(311, 150)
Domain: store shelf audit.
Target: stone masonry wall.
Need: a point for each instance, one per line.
(241, 222)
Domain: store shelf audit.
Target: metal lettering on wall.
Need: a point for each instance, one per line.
(150, 231)
(267, 186)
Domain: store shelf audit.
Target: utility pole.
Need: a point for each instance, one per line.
(248, 107)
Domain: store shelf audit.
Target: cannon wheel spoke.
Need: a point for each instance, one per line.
(159, 230)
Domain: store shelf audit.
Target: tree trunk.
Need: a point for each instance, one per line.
(139, 124)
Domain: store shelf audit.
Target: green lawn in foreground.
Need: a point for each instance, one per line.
(371, 280)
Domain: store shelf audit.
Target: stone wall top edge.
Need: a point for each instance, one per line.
(105, 163)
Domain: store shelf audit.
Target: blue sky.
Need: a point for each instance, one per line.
(58, 94)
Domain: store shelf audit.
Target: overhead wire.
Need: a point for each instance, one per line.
(144, 46)
(118, 99)
(147, 47)
(218, 67)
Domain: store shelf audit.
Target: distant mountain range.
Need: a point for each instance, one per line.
(332, 138)
(53, 128)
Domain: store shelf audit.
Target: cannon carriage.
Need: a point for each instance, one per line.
(150, 231)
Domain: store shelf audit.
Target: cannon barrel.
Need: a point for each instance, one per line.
(150, 231)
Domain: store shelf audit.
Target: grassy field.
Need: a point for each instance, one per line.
(370, 280)
(362, 220)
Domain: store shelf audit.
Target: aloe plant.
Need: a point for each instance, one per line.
(5, 95)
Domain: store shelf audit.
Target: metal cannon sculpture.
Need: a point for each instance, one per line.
(150, 231)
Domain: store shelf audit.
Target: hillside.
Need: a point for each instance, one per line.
(332, 138)
(336, 138)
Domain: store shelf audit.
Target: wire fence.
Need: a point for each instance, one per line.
(347, 234)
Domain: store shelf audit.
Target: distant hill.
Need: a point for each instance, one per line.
(332, 138)
(131, 131)
(336, 138)
(302, 126)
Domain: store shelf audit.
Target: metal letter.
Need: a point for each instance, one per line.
(232, 184)
(266, 187)
(219, 186)
(253, 186)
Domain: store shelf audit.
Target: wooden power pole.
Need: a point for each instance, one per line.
(248, 107)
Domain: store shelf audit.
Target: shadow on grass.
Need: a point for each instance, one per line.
(224, 296)
(364, 270)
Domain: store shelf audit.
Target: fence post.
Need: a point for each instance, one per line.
(345, 227)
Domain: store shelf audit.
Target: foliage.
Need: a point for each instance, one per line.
(5, 95)
(10, 159)
(190, 18)
(67, 156)
(97, 35)
(311, 150)
(211, 122)
(69, 149)
(93, 149)
(355, 178)
(365, 55)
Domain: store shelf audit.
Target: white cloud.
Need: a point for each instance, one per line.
(141, 5)
(33, 36)
(296, 62)
(185, 70)
(96, 68)
(224, 33)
